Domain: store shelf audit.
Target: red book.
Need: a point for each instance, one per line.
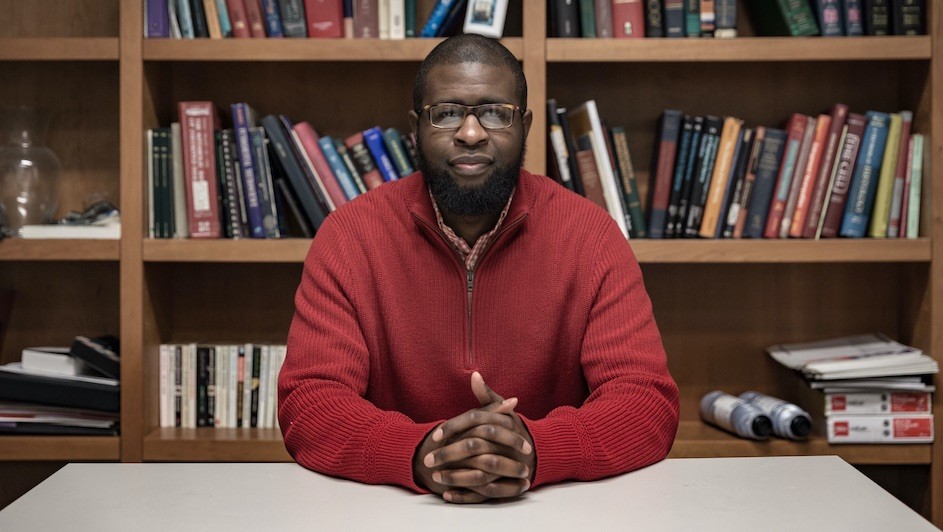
(810, 175)
(628, 19)
(795, 130)
(366, 20)
(846, 164)
(309, 140)
(325, 18)
(238, 19)
(363, 160)
(256, 22)
(838, 115)
(197, 126)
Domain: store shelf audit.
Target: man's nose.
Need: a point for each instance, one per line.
(471, 132)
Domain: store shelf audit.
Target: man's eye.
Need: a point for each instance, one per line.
(448, 112)
(493, 112)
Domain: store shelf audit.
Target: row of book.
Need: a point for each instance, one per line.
(267, 178)
(219, 385)
(834, 174)
(362, 19)
(864, 388)
(62, 390)
(637, 19)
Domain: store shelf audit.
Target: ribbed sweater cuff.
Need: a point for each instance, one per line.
(559, 456)
(395, 445)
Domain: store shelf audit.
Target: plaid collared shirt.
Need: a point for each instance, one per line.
(469, 254)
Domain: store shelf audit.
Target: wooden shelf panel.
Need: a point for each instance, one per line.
(59, 249)
(698, 440)
(647, 251)
(226, 250)
(781, 251)
(59, 49)
(215, 445)
(741, 49)
(59, 448)
(298, 49)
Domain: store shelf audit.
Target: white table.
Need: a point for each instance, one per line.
(782, 493)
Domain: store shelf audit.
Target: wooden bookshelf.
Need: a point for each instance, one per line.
(718, 303)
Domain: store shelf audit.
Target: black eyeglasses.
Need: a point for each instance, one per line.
(489, 115)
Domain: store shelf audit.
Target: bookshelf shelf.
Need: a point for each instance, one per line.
(297, 49)
(781, 251)
(59, 49)
(59, 448)
(242, 250)
(698, 440)
(215, 445)
(741, 49)
(16, 249)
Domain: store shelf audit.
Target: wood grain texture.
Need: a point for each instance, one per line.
(215, 445)
(60, 18)
(60, 448)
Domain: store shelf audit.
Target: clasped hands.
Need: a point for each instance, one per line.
(485, 453)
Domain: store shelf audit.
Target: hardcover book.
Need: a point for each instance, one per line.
(197, 123)
(841, 184)
(864, 179)
(663, 170)
(783, 17)
(767, 168)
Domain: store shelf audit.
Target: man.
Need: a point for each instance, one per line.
(473, 269)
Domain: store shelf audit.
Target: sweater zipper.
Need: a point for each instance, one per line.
(470, 352)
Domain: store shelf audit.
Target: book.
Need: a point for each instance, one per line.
(325, 18)
(363, 160)
(226, 161)
(877, 402)
(916, 428)
(57, 390)
(749, 181)
(908, 17)
(184, 18)
(366, 19)
(734, 203)
(181, 228)
(100, 353)
(725, 19)
(704, 168)
(708, 18)
(897, 190)
(565, 18)
(828, 13)
(792, 18)
(52, 360)
(239, 19)
(877, 17)
(198, 15)
(677, 223)
(914, 189)
(589, 171)
(628, 19)
(346, 181)
(674, 18)
(584, 119)
(225, 24)
(264, 181)
(838, 194)
(629, 185)
(243, 119)
(810, 175)
(864, 179)
(271, 15)
(795, 184)
(557, 145)
(212, 19)
(692, 18)
(373, 140)
(654, 18)
(452, 23)
(884, 188)
(850, 357)
(293, 20)
(720, 178)
(436, 16)
(298, 223)
(486, 17)
(322, 169)
(663, 163)
(687, 146)
(795, 131)
(156, 19)
(853, 18)
(838, 116)
(344, 154)
(394, 146)
(110, 230)
(197, 123)
(254, 18)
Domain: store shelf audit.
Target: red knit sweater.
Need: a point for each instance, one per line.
(383, 343)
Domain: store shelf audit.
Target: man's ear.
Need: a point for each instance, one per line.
(526, 119)
(414, 122)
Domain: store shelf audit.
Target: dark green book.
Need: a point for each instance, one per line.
(783, 17)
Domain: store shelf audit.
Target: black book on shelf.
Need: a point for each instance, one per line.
(100, 353)
(43, 390)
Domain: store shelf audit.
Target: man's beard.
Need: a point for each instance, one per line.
(487, 198)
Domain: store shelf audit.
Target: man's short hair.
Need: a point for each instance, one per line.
(470, 48)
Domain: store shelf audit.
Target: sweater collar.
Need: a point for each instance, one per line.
(417, 198)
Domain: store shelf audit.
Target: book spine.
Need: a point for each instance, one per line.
(840, 187)
(667, 145)
(394, 146)
(864, 180)
(239, 19)
(255, 19)
(397, 17)
(690, 173)
(829, 15)
(373, 138)
(254, 388)
(708, 18)
(725, 23)
(349, 164)
(900, 175)
(198, 14)
(340, 172)
(309, 140)
(914, 192)
(366, 21)
(273, 19)
(749, 181)
(877, 17)
(242, 121)
(211, 376)
(908, 17)
(229, 162)
(880, 429)
(738, 184)
(604, 19)
(795, 131)
(810, 176)
(878, 403)
(227, 206)
(567, 18)
(853, 18)
(156, 19)
(796, 184)
(627, 173)
(436, 18)
(293, 18)
(557, 146)
(830, 154)
(363, 160)
(589, 174)
(692, 18)
(185, 18)
(720, 177)
(265, 181)
(197, 122)
(683, 158)
(178, 385)
(674, 18)
(884, 189)
(654, 22)
(700, 186)
(212, 19)
(202, 379)
(325, 18)
(767, 169)
(225, 24)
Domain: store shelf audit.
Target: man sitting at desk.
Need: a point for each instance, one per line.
(473, 267)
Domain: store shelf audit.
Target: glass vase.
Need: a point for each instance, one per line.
(29, 170)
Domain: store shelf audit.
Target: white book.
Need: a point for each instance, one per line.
(247, 387)
(486, 17)
(219, 407)
(233, 385)
(106, 230)
(397, 14)
(878, 403)
(916, 182)
(181, 227)
(880, 429)
(17, 367)
(52, 360)
(263, 387)
(165, 414)
(383, 18)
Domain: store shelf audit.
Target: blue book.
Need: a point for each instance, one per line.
(767, 167)
(156, 19)
(273, 21)
(852, 18)
(681, 167)
(338, 167)
(829, 14)
(225, 26)
(373, 138)
(184, 18)
(864, 180)
(439, 11)
(677, 223)
(243, 117)
(263, 173)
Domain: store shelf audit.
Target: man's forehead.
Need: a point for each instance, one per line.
(471, 78)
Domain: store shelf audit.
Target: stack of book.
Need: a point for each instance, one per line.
(267, 178)
(62, 390)
(319, 19)
(637, 19)
(865, 388)
(219, 385)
